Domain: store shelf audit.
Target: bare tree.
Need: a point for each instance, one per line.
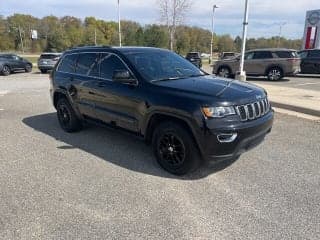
(172, 14)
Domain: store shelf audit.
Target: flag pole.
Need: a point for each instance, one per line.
(119, 22)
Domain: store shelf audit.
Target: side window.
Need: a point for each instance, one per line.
(286, 54)
(68, 63)
(303, 54)
(87, 64)
(110, 63)
(262, 55)
(14, 57)
(249, 56)
(314, 54)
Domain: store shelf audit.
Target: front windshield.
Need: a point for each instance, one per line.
(162, 65)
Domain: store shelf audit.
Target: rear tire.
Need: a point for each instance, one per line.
(224, 72)
(68, 119)
(175, 149)
(275, 74)
(6, 70)
(28, 68)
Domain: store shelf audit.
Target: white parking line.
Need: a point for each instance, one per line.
(303, 84)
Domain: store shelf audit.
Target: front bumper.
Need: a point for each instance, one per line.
(248, 135)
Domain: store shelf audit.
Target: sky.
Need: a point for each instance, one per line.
(265, 16)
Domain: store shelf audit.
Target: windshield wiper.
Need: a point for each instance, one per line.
(176, 78)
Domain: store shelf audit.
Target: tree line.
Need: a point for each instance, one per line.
(59, 34)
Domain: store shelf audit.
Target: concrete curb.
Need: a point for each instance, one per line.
(296, 108)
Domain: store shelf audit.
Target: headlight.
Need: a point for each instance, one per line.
(218, 112)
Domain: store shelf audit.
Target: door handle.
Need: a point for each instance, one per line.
(91, 93)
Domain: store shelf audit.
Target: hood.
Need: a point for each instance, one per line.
(213, 86)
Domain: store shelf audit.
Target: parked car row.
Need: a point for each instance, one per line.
(272, 63)
(10, 63)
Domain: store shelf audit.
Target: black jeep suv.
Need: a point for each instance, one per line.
(186, 114)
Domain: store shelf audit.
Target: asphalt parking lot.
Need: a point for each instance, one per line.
(307, 82)
(103, 184)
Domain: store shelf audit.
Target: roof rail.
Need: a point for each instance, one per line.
(90, 46)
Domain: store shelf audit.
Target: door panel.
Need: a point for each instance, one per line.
(117, 103)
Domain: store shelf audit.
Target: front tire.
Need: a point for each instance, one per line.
(28, 68)
(175, 149)
(43, 71)
(68, 119)
(6, 70)
(275, 74)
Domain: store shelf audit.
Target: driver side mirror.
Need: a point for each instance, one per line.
(124, 76)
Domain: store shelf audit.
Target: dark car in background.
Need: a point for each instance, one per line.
(194, 58)
(186, 114)
(310, 61)
(275, 63)
(11, 63)
(47, 61)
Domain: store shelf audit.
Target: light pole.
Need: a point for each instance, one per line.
(242, 74)
(119, 22)
(212, 32)
(280, 32)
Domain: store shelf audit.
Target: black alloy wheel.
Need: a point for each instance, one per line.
(68, 120)
(175, 149)
(172, 149)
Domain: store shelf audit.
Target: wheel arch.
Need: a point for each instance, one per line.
(274, 66)
(225, 66)
(57, 95)
(158, 117)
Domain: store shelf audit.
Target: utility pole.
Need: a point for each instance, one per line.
(95, 36)
(119, 22)
(280, 32)
(212, 32)
(22, 47)
(242, 74)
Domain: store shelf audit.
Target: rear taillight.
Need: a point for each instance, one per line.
(293, 59)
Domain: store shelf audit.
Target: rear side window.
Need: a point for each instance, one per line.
(110, 63)
(286, 54)
(87, 64)
(314, 54)
(68, 63)
(193, 55)
(262, 55)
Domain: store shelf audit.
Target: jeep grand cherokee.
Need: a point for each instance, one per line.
(186, 114)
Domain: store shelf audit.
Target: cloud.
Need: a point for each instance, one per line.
(264, 15)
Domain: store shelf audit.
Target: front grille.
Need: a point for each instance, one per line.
(253, 110)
